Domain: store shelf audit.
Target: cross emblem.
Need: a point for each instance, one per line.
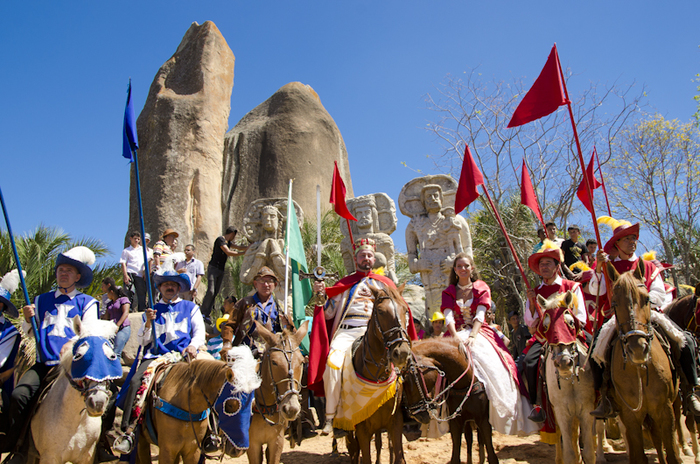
(59, 321)
(169, 327)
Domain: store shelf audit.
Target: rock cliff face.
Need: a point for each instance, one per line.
(181, 136)
(289, 136)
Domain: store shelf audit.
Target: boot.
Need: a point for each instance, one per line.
(604, 409)
(692, 402)
(327, 427)
(537, 414)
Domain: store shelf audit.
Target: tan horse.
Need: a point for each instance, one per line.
(277, 400)
(193, 388)
(384, 347)
(640, 370)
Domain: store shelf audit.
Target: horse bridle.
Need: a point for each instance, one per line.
(636, 329)
(396, 334)
(293, 385)
(86, 386)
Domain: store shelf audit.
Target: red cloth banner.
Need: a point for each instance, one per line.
(527, 193)
(338, 195)
(469, 179)
(582, 193)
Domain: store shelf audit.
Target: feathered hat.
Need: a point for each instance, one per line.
(167, 273)
(549, 249)
(582, 272)
(8, 285)
(651, 256)
(81, 258)
(620, 229)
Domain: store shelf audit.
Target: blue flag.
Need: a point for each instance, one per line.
(131, 142)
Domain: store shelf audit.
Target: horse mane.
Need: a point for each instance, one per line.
(629, 283)
(558, 300)
(446, 353)
(205, 371)
(98, 328)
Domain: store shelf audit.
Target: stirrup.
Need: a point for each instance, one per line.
(124, 444)
(604, 410)
(537, 415)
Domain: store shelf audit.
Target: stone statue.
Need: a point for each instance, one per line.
(435, 235)
(376, 219)
(264, 224)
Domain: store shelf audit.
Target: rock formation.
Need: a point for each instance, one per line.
(289, 136)
(181, 136)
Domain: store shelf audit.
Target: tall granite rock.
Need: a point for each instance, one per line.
(181, 136)
(289, 136)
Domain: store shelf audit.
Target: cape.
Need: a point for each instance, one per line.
(321, 336)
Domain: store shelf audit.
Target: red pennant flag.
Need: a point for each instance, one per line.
(545, 95)
(527, 193)
(469, 179)
(338, 195)
(582, 193)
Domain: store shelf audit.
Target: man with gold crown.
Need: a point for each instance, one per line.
(621, 248)
(545, 263)
(348, 309)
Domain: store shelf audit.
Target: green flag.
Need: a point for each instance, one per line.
(301, 290)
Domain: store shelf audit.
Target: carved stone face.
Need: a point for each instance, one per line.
(364, 216)
(432, 199)
(269, 221)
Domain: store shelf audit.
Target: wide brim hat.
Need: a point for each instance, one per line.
(8, 285)
(265, 272)
(549, 249)
(170, 232)
(9, 308)
(81, 258)
(182, 280)
(620, 229)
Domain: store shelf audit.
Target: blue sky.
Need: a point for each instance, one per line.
(66, 66)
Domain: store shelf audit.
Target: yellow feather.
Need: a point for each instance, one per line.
(548, 245)
(379, 271)
(649, 255)
(580, 266)
(609, 221)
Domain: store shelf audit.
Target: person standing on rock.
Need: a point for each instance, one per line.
(133, 268)
(194, 269)
(223, 248)
(164, 248)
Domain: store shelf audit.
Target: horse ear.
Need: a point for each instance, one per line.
(77, 325)
(639, 271)
(612, 272)
(266, 334)
(541, 301)
(401, 288)
(569, 299)
(301, 332)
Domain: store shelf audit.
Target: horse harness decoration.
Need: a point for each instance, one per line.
(636, 329)
(293, 385)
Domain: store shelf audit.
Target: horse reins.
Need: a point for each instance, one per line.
(269, 410)
(645, 330)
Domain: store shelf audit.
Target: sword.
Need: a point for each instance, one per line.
(319, 273)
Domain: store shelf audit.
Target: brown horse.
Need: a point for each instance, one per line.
(192, 388)
(278, 400)
(641, 372)
(465, 396)
(384, 347)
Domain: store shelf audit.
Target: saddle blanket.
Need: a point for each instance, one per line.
(147, 380)
(359, 397)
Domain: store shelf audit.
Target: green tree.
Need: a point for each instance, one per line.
(38, 251)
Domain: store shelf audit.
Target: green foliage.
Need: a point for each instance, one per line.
(38, 251)
(331, 236)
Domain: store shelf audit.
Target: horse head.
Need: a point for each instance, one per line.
(420, 376)
(630, 301)
(92, 364)
(281, 370)
(560, 328)
(388, 322)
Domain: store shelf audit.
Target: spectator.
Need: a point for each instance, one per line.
(437, 321)
(194, 269)
(223, 248)
(573, 250)
(591, 246)
(489, 318)
(552, 233)
(164, 247)
(519, 334)
(541, 235)
(117, 311)
(133, 270)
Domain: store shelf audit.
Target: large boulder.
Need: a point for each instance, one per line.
(289, 136)
(181, 136)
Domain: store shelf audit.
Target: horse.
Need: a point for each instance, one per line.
(277, 400)
(176, 418)
(641, 372)
(382, 349)
(569, 378)
(439, 361)
(68, 422)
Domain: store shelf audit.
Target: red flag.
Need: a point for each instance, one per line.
(582, 193)
(469, 179)
(338, 195)
(527, 193)
(545, 95)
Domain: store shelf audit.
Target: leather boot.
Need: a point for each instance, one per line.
(692, 402)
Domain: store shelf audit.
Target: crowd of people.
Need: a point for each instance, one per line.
(174, 322)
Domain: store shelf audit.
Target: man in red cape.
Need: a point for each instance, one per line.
(348, 308)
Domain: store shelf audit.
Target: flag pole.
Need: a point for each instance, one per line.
(510, 245)
(602, 181)
(585, 176)
(21, 274)
(286, 253)
(147, 272)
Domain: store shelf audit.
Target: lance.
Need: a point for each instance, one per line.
(320, 273)
(33, 320)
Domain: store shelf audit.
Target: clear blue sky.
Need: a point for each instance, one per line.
(65, 68)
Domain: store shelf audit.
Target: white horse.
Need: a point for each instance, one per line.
(569, 382)
(67, 424)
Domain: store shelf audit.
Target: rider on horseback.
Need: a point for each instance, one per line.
(349, 306)
(621, 247)
(55, 311)
(9, 339)
(178, 326)
(546, 263)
